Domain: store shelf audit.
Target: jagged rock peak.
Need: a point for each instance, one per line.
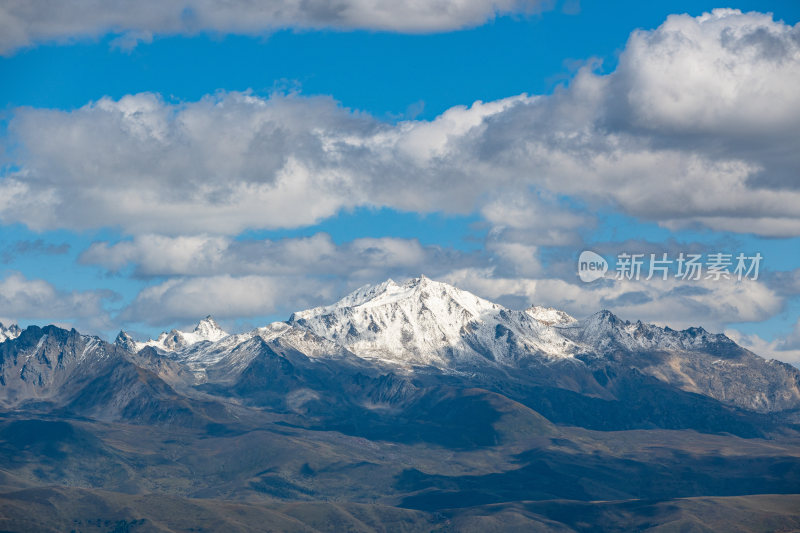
(549, 315)
(422, 321)
(10, 332)
(207, 330)
(421, 290)
(125, 341)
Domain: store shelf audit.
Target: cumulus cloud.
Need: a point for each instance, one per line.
(220, 165)
(25, 22)
(533, 219)
(698, 125)
(712, 74)
(288, 275)
(230, 162)
(783, 348)
(232, 278)
(224, 296)
(675, 303)
(211, 274)
(30, 299)
(360, 260)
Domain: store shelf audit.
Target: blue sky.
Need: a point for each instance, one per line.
(379, 72)
(156, 167)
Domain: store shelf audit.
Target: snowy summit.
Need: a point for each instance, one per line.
(207, 330)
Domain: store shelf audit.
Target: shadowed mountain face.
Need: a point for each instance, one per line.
(416, 395)
(51, 369)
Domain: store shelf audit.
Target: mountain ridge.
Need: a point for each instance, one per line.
(424, 327)
(283, 414)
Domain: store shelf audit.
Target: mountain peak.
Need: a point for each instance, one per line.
(604, 331)
(549, 315)
(422, 290)
(420, 321)
(125, 341)
(10, 332)
(208, 329)
(604, 315)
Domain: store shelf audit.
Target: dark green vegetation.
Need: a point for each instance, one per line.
(94, 438)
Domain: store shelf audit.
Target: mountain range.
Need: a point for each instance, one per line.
(412, 403)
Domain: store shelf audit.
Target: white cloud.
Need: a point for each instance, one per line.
(698, 125)
(248, 278)
(158, 255)
(643, 140)
(723, 73)
(675, 303)
(224, 296)
(30, 299)
(228, 163)
(786, 349)
(527, 218)
(208, 274)
(360, 260)
(218, 165)
(25, 22)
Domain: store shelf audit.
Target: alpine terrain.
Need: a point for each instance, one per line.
(411, 406)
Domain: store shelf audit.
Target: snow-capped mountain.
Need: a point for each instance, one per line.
(425, 322)
(428, 322)
(549, 316)
(231, 354)
(49, 358)
(52, 368)
(425, 326)
(409, 375)
(393, 374)
(604, 332)
(10, 332)
(207, 330)
(693, 360)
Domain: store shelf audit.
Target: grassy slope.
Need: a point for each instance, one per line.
(59, 509)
